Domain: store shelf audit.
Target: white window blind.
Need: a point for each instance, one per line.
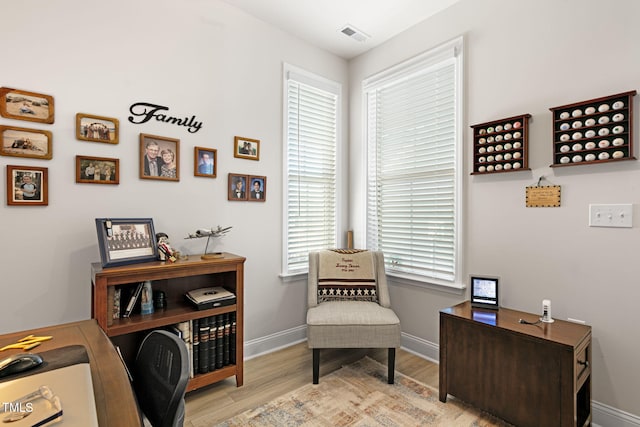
(311, 123)
(413, 167)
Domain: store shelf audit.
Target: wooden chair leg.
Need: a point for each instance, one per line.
(316, 365)
(391, 365)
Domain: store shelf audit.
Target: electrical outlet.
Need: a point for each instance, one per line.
(611, 215)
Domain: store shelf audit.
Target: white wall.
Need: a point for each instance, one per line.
(204, 57)
(525, 57)
(199, 57)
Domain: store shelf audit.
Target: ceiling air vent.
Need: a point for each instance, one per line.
(351, 31)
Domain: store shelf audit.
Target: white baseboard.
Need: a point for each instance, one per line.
(420, 347)
(607, 416)
(603, 415)
(270, 343)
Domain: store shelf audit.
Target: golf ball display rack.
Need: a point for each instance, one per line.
(599, 130)
(501, 145)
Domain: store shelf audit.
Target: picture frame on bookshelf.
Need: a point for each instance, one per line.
(246, 148)
(27, 186)
(97, 170)
(23, 142)
(24, 105)
(97, 128)
(126, 241)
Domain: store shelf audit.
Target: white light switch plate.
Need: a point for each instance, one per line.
(611, 215)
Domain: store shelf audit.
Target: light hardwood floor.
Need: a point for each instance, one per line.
(271, 375)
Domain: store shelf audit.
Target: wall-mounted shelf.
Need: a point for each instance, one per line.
(501, 145)
(599, 130)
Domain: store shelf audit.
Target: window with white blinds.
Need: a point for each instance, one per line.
(414, 165)
(311, 133)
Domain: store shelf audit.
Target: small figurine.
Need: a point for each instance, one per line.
(165, 251)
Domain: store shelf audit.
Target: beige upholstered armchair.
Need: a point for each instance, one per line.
(349, 305)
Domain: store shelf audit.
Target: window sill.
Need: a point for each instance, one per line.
(286, 278)
(405, 279)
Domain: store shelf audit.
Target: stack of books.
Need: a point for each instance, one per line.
(211, 342)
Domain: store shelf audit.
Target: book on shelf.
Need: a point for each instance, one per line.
(123, 363)
(232, 339)
(195, 346)
(174, 329)
(227, 335)
(203, 351)
(133, 300)
(220, 341)
(185, 328)
(117, 292)
(213, 331)
(110, 295)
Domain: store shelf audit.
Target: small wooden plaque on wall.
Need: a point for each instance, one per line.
(543, 197)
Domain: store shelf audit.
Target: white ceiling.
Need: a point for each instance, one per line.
(319, 21)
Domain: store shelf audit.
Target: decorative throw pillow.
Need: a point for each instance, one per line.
(346, 275)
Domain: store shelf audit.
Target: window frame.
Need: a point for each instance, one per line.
(319, 83)
(452, 50)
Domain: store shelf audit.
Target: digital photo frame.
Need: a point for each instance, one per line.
(484, 291)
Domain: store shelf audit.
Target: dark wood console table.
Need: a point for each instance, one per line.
(528, 375)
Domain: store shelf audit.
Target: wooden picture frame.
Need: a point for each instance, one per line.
(24, 105)
(97, 128)
(257, 188)
(246, 148)
(237, 186)
(27, 186)
(23, 142)
(126, 241)
(158, 150)
(205, 162)
(97, 170)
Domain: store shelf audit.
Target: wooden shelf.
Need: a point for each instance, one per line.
(599, 130)
(501, 145)
(175, 280)
(163, 318)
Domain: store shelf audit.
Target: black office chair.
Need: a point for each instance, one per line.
(160, 378)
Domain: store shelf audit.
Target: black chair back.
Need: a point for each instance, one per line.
(160, 378)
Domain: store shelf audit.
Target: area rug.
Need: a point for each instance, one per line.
(358, 395)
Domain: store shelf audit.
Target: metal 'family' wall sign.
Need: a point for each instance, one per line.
(142, 112)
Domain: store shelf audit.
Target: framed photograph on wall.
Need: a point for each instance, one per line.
(126, 241)
(97, 170)
(23, 142)
(27, 186)
(205, 162)
(97, 128)
(246, 148)
(257, 188)
(237, 187)
(24, 105)
(159, 158)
